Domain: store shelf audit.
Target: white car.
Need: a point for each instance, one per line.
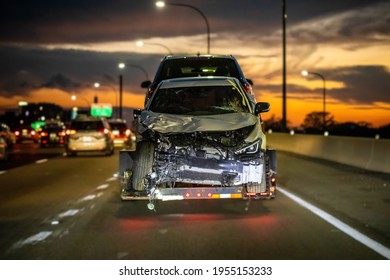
(199, 138)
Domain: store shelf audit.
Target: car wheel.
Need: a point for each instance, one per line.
(143, 162)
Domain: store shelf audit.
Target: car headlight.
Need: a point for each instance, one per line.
(251, 149)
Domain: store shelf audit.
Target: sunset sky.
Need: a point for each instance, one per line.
(50, 50)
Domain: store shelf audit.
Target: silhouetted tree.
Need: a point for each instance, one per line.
(274, 123)
(313, 122)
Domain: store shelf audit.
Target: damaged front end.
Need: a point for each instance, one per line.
(200, 157)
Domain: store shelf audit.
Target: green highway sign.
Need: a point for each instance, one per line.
(101, 110)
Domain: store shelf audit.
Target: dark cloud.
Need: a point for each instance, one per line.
(70, 70)
(60, 81)
(363, 84)
(88, 21)
(367, 25)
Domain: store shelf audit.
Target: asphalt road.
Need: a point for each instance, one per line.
(69, 208)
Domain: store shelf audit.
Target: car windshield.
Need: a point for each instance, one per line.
(200, 100)
(178, 68)
(87, 125)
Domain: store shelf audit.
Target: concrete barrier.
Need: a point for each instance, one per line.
(366, 153)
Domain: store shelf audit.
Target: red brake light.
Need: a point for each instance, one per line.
(248, 88)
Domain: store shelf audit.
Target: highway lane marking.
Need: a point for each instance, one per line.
(41, 161)
(33, 239)
(372, 244)
(102, 187)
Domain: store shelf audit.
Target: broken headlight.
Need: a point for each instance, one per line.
(251, 149)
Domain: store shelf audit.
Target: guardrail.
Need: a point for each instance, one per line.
(366, 153)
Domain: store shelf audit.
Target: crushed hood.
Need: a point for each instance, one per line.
(169, 123)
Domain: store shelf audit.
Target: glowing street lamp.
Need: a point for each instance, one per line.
(74, 98)
(122, 66)
(162, 4)
(307, 73)
(95, 99)
(142, 43)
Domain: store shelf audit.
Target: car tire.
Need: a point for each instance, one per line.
(143, 163)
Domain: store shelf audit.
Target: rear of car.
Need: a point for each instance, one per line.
(89, 134)
(26, 133)
(3, 149)
(52, 134)
(123, 136)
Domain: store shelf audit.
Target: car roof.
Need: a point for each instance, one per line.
(198, 81)
(197, 56)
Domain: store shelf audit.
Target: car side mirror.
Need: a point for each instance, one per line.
(146, 84)
(250, 81)
(262, 107)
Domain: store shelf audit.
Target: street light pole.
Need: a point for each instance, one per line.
(284, 113)
(121, 66)
(161, 4)
(306, 73)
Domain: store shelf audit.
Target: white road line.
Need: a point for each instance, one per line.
(102, 187)
(111, 179)
(3, 171)
(41, 160)
(33, 239)
(376, 246)
(69, 213)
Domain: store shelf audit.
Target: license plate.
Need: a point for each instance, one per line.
(87, 138)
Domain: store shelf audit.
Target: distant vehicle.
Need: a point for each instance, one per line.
(7, 134)
(26, 133)
(198, 138)
(179, 66)
(123, 136)
(3, 149)
(52, 134)
(89, 134)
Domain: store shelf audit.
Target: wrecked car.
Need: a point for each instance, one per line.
(198, 138)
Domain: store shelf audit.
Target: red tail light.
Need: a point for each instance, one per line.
(248, 88)
(104, 131)
(43, 134)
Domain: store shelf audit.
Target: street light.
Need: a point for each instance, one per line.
(142, 43)
(74, 98)
(115, 91)
(95, 99)
(161, 4)
(306, 73)
(122, 66)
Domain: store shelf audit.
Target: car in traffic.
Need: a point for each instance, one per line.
(52, 134)
(7, 135)
(89, 134)
(3, 149)
(26, 133)
(199, 138)
(123, 136)
(179, 66)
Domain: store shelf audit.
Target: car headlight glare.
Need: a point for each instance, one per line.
(251, 149)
